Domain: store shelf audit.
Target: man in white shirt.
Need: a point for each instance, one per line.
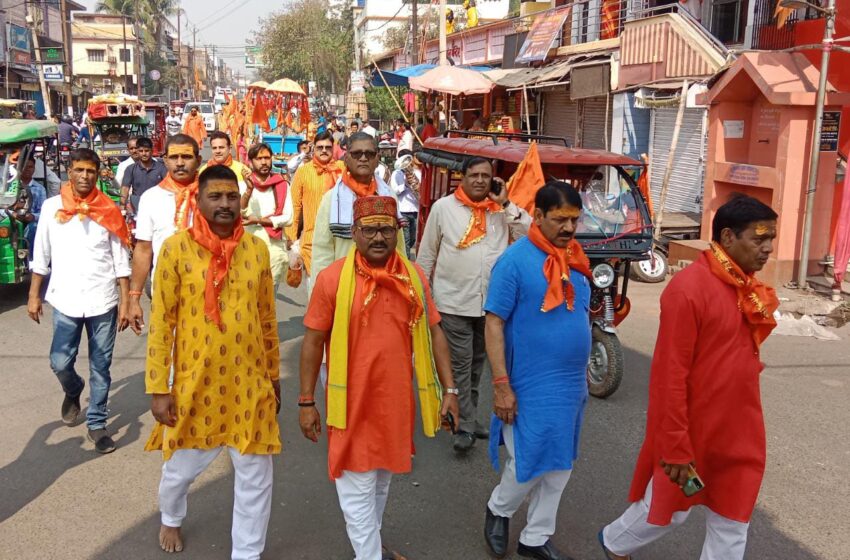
(267, 208)
(163, 211)
(405, 183)
(122, 167)
(298, 159)
(173, 124)
(84, 245)
(370, 130)
(406, 141)
(464, 236)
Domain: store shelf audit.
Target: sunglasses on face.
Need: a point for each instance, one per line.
(369, 232)
(324, 148)
(363, 154)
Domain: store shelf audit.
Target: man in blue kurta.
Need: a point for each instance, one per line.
(537, 322)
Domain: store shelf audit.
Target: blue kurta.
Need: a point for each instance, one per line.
(546, 356)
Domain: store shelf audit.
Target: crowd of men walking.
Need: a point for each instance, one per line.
(491, 284)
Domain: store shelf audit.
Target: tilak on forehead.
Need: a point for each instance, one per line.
(222, 186)
(763, 228)
(565, 212)
(181, 150)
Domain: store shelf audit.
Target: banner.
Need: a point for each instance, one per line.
(543, 33)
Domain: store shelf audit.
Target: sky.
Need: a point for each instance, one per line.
(227, 24)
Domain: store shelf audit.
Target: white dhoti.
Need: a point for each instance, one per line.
(363, 498)
(545, 491)
(252, 495)
(279, 258)
(725, 539)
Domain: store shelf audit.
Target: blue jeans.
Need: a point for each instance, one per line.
(410, 230)
(29, 233)
(100, 331)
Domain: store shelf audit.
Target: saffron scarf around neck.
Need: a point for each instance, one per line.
(427, 383)
(360, 189)
(756, 300)
(556, 269)
(331, 171)
(227, 162)
(279, 187)
(97, 207)
(185, 203)
(222, 249)
(477, 228)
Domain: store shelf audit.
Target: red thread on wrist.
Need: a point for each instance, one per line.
(303, 399)
(501, 380)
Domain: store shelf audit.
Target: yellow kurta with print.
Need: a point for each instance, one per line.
(222, 378)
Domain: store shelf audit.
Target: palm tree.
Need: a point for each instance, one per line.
(118, 7)
(158, 11)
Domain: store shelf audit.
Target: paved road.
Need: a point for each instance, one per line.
(60, 500)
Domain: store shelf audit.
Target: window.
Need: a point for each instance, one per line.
(96, 55)
(726, 18)
(125, 55)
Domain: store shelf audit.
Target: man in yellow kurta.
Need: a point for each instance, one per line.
(332, 239)
(309, 184)
(220, 146)
(213, 321)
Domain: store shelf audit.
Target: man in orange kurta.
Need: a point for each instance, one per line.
(195, 127)
(389, 314)
(705, 414)
(310, 183)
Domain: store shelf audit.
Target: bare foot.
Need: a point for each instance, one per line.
(170, 539)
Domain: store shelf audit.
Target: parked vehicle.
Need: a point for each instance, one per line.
(156, 115)
(615, 229)
(17, 136)
(205, 108)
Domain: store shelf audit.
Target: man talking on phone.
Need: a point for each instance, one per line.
(463, 237)
(705, 437)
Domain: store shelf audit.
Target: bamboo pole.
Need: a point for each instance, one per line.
(397, 104)
(665, 183)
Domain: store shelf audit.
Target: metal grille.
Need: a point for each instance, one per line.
(766, 34)
(560, 117)
(597, 132)
(685, 191)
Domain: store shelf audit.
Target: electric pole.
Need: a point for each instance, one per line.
(194, 78)
(443, 54)
(138, 50)
(126, 87)
(179, 57)
(69, 69)
(414, 48)
(33, 25)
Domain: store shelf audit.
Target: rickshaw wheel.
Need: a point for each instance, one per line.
(605, 366)
(652, 270)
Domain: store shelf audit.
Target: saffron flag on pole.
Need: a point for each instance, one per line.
(259, 115)
(527, 179)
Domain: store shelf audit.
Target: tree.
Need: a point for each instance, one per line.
(118, 7)
(381, 104)
(395, 38)
(306, 41)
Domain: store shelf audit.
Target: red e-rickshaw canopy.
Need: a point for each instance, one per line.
(514, 151)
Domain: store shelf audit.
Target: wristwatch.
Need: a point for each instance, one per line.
(453, 391)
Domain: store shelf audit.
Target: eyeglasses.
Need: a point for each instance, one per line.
(369, 232)
(363, 154)
(323, 148)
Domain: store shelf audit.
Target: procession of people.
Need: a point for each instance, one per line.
(493, 299)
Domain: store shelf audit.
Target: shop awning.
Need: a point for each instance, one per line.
(401, 77)
(551, 74)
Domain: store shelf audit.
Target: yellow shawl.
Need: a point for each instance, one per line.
(428, 385)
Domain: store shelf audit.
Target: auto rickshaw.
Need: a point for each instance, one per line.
(614, 229)
(17, 137)
(156, 115)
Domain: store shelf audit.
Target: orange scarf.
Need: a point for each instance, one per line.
(756, 300)
(360, 189)
(477, 228)
(556, 269)
(222, 250)
(393, 277)
(184, 198)
(95, 206)
(332, 171)
(227, 163)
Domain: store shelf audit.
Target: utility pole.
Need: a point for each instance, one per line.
(215, 71)
(443, 54)
(206, 68)
(179, 57)
(126, 87)
(138, 50)
(45, 95)
(69, 64)
(414, 23)
(194, 78)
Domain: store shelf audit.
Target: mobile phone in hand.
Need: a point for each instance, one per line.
(449, 421)
(495, 186)
(694, 483)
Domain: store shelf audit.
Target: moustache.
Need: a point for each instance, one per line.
(378, 245)
(223, 213)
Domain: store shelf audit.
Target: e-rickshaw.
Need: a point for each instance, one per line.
(18, 139)
(615, 228)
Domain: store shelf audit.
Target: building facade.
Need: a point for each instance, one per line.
(105, 53)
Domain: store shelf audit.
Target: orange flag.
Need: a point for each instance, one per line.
(259, 115)
(527, 179)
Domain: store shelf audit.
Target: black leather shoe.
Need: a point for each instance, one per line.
(102, 442)
(496, 533)
(71, 409)
(545, 552)
(482, 433)
(463, 441)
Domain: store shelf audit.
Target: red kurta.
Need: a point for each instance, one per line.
(704, 401)
(381, 408)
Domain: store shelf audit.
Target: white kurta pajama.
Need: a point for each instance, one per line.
(264, 205)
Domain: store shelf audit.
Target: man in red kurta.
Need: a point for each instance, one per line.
(375, 310)
(705, 412)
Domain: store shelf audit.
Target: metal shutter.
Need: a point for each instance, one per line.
(686, 182)
(596, 134)
(560, 118)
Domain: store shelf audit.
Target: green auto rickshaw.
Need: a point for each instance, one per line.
(19, 141)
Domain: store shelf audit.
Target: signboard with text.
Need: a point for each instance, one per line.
(53, 73)
(829, 131)
(19, 38)
(52, 55)
(543, 33)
